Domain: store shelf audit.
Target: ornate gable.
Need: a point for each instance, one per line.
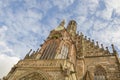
(88, 48)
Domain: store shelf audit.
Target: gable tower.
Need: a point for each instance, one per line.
(72, 27)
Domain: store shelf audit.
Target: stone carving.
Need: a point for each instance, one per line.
(34, 76)
(38, 63)
(100, 73)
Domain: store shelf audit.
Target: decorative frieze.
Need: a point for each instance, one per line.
(40, 63)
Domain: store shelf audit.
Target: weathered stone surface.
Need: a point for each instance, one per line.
(67, 55)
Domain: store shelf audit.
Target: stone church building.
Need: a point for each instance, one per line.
(67, 55)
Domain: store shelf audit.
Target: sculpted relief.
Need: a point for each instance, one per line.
(34, 76)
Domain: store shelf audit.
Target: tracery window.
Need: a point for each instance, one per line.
(64, 52)
(100, 73)
(50, 50)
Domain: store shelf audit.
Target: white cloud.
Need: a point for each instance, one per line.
(86, 25)
(110, 6)
(105, 14)
(2, 30)
(34, 15)
(4, 49)
(62, 4)
(98, 25)
(22, 30)
(6, 63)
(80, 20)
(113, 3)
(92, 6)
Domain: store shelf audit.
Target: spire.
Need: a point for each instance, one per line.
(62, 23)
(61, 26)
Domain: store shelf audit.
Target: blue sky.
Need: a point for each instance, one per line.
(25, 24)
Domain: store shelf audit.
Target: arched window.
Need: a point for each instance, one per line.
(50, 50)
(100, 73)
(63, 52)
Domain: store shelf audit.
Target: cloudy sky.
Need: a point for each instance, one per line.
(24, 24)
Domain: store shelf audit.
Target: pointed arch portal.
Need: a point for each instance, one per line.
(100, 73)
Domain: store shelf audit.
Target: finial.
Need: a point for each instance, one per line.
(89, 39)
(92, 41)
(78, 32)
(102, 46)
(37, 50)
(81, 34)
(113, 48)
(97, 44)
(44, 40)
(41, 45)
(32, 55)
(33, 52)
(86, 37)
(107, 49)
(30, 51)
(62, 23)
(28, 54)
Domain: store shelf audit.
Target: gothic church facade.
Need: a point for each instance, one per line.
(67, 55)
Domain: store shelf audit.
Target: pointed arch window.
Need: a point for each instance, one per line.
(64, 52)
(50, 50)
(100, 73)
